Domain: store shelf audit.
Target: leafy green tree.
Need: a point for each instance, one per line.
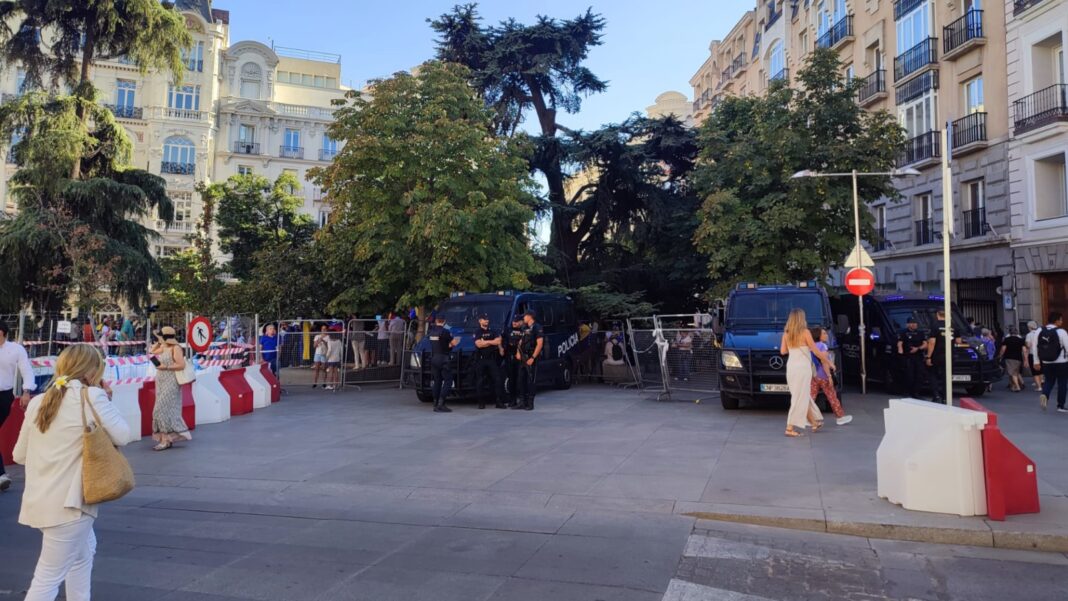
(516, 67)
(72, 236)
(254, 211)
(426, 198)
(286, 281)
(756, 223)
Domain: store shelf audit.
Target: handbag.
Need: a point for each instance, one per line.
(106, 475)
(187, 375)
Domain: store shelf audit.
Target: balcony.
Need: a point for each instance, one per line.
(963, 34)
(872, 88)
(177, 168)
(726, 75)
(246, 147)
(880, 243)
(122, 111)
(773, 16)
(969, 133)
(176, 226)
(921, 149)
(925, 232)
(904, 7)
(782, 75)
(327, 154)
(839, 33)
(739, 65)
(12, 157)
(916, 87)
(974, 222)
(1019, 6)
(915, 59)
(185, 114)
(291, 152)
(1046, 106)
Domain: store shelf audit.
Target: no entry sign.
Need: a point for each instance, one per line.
(860, 281)
(199, 334)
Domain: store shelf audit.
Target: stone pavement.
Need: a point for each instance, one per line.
(369, 495)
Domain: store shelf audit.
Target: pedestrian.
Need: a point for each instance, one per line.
(488, 364)
(358, 340)
(824, 382)
(168, 427)
(910, 348)
(1029, 342)
(989, 344)
(1051, 352)
(974, 329)
(396, 339)
(50, 446)
(105, 338)
(382, 340)
(269, 347)
(512, 337)
(530, 349)
(683, 347)
(614, 353)
(319, 358)
(935, 359)
(334, 349)
(88, 335)
(14, 361)
(441, 345)
(797, 342)
(1012, 353)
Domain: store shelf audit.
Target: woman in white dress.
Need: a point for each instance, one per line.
(797, 342)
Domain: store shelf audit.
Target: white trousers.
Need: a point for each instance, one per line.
(66, 555)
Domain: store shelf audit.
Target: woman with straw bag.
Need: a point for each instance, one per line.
(67, 444)
(168, 427)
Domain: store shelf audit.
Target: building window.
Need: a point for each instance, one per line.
(20, 82)
(850, 73)
(914, 27)
(974, 208)
(185, 97)
(776, 61)
(324, 218)
(1051, 200)
(924, 213)
(823, 19)
(973, 96)
(291, 147)
(804, 43)
(126, 93)
(183, 206)
(329, 150)
(244, 170)
(918, 116)
(194, 57)
(880, 228)
(246, 133)
(179, 156)
(293, 189)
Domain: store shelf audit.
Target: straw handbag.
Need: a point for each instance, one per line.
(106, 475)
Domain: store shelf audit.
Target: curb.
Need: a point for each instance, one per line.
(1018, 540)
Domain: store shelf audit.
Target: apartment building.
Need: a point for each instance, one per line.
(242, 107)
(926, 62)
(672, 103)
(1036, 34)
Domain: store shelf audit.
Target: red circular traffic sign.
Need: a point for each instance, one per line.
(860, 281)
(199, 334)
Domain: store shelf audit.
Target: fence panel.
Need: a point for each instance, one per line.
(304, 346)
(376, 350)
(647, 347)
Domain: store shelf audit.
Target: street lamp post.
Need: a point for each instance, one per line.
(856, 232)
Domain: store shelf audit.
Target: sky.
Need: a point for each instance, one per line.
(648, 47)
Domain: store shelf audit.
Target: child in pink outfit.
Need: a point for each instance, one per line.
(822, 383)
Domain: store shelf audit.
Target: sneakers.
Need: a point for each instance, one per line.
(5, 482)
(326, 387)
(845, 419)
(1059, 410)
(1043, 400)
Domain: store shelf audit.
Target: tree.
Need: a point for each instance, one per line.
(60, 41)
(74, 236)
(426, 198)
(517, 67)
(252, 212)
(756, 223)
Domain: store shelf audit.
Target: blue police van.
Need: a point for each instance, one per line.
(751, 368)
(555, 313)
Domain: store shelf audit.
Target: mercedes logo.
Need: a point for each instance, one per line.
(776, 362)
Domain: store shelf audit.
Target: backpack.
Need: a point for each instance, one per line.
(617, 352)
(1049, 345)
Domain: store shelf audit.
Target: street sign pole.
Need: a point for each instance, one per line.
(947, 233)
(860, 299)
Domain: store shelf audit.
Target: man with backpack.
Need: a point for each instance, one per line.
(1051, 353)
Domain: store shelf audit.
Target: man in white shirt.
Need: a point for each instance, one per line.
(1051, 353)
(382, 340)
(1030, 340)
(334, 350)
(396, 339)
(13, 360)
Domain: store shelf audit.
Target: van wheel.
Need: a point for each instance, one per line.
(563, 382)
(729, 403)
(424, 397)
(976, 389)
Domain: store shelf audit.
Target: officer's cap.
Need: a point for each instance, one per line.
(483, 316)
(911, 320)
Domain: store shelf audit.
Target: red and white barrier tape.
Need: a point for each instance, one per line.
(140, 380)
(111, 361)
(223, 352)
(108, 343)
(221, 363)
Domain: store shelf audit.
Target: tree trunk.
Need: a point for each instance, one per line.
(83, 81)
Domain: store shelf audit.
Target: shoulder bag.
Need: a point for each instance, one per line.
(106, 475)
(186, 375)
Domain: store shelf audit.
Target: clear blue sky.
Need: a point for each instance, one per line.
(649, 47)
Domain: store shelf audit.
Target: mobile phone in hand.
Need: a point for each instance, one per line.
(154, 360)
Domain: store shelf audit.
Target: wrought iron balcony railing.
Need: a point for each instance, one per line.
(963, 30)
(246, 147)
(327, 154)
(921, 148)
(291, 152)
(1044, 106)
(839, 31)
(974, 222)
(969, 130)
(122, 111)
(925, 232)
(915, 58)
(1019, 6)
(904, 7)
(178, 168)
(872, 85)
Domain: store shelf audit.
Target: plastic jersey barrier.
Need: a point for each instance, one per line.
(272, 381)
(189, 409)
(261, 391)
(233, 380)
(211, 399)
(9, 433)
(146, 398)
(1011, 476)
(127, 399)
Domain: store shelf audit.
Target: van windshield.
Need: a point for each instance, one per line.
(899, 313)
(761, 308)
(462, 315)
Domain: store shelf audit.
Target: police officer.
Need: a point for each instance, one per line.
(488, 363)
(936, 356)
(441, 344)
(530, 349)
(911, 346)
(512, 337)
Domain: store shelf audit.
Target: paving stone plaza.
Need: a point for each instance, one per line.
(368, 495)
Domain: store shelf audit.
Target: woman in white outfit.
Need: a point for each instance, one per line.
(50, 446)
(798, 343)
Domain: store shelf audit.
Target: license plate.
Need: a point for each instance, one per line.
(774, 388)
(962, 378)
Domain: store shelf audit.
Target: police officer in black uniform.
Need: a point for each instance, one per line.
(911, 346)
(488, 346)
(512, 337)
(441, 344)
(936, 356)
(530, 350)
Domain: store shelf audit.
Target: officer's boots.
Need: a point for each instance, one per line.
(439, 406)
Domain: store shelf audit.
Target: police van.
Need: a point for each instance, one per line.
(885, 318)
(751, 366)
(555, 313)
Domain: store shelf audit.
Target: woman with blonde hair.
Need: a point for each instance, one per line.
(797, 342)
(168, 427)
(50, 446)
